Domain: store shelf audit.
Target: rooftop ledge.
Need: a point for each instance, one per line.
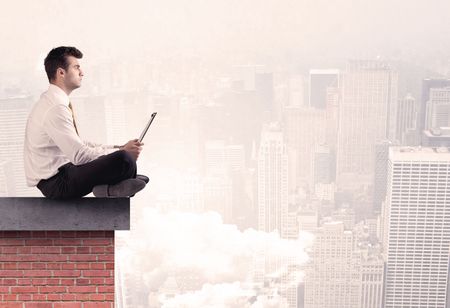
(84, 214)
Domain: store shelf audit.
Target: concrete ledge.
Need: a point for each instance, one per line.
(29, 214)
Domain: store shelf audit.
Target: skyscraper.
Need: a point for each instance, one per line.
(406, 120)
(319, 81)
(417, 223)
(428, 84)
(367, 114)
(438, 108)
(272, 181)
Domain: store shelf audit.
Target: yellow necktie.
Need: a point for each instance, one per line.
(73, 118)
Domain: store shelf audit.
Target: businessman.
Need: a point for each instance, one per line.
(57, 160)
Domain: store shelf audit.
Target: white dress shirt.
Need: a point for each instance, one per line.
(51, 140)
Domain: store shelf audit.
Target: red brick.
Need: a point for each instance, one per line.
(38, 234)
(39, 282)
(27, 289)
(52, 289)
(82, 266)
(11, 273)
(4, 290)
(67, 305)
(44, 249)
(11, 305)
(11, 242)
(52, 258)
(37, 266)
(24, 297)
(68, 297)
(83, 282)
(24, 250)
(53, 281)
(54, 266)
(97, 242)
(97, 274)
(81, 296)
(109, 297)
(38, 305)
(109, 281)
(68, 266)
(109, 249)
(98, 249)
(37, 273)
(109, 265)
(105, 289)
(24, 266)
(105, 258)
(8, 282)
(10, 266)
(82, 289)
(97, 281)
(97, 234)
(67, 273)
(9, 250)
(83, 258)
(39, 297)
(39, 242)
(24, 282)
(97, 297)
(54, 234)
(67, 242)
(98, 305)
(97, 266)
(83, 249)
(67, 282)
(10, 297)
(68, 234)
(53, 297)
(68, 250)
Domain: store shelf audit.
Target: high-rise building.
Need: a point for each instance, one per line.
(333, 278)
(323, 167)
(372, 276)
(436, 137)
(380, 174)
(305, 129)
(367, 114)
(272, 181)
(406, 120)
(438, 108)
(319, 82)
(427, 85)
(417, 227)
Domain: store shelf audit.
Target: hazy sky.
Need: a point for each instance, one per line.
(337, 28)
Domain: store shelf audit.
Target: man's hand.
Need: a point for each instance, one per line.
(133, 147)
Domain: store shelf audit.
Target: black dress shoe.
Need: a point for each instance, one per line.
(143, 178)
(126, 188)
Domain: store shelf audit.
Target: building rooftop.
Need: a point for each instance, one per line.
(83, 214)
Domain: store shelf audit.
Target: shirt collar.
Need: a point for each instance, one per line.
(59, 94)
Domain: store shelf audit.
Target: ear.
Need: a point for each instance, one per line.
(60, 72)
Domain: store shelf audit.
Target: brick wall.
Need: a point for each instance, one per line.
(56, 269)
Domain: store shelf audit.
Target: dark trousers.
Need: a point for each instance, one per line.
(75, 181)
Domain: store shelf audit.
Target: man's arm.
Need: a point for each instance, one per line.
(59, 127)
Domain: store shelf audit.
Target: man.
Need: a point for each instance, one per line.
(57, 161)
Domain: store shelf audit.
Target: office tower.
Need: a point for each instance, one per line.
(332, 279)
(406, 120)
(347, 215)
(427, 85)
(367, 114)
(372, 275)
(272, 181)
(221, 158)
(319, 82)
(417, 223)
(190, 193)
(308, 220)
(13, 117)
(380, 174)
(323, 165)
(436, 137)
(305, 129)
(332, 118)
(438, 108)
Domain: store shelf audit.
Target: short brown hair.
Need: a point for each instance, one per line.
(57, 57)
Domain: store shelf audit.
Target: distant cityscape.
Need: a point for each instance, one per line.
(337, 180)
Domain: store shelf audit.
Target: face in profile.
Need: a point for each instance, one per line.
(73, 74)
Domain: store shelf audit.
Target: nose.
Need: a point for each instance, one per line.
(81, 73)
